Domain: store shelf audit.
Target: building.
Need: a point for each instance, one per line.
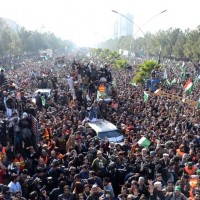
(123, 27)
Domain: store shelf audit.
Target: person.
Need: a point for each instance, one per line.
(57, 191)
(155, 79)
(2, 77)
(96, 193)
(99, 164)
(176, 195)
(108, 187)
(66, 195)
(14, 185)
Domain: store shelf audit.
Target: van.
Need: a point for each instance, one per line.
(106, 130)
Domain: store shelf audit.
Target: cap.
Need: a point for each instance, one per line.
(190, 163)
(177, 188)
(44, 145)
(198, 171)
(166, 154)
(157, 183)
(95, 186)
(99, 152)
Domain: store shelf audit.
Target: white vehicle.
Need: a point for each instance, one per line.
(106, 130)
(47, 92)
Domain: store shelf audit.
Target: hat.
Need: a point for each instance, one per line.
(44, 145)
(94, 186)
(190, 163)
(166, 154)
(198, 171)
(99, 152)
(157, 183)
(177, 188)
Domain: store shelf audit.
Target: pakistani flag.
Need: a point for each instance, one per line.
(173, 81)
(144, 142)
(146, 97)
(133, 84)
(198, 104)
(183, 72)
(188, 87)
(196, 80)
(43, 100)
(168, 82)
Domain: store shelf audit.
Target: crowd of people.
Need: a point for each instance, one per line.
(48, 151)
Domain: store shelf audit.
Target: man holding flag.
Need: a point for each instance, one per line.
(155, 79)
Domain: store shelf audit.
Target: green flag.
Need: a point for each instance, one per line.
(196, 80)
(146, 97)
(168, 82)
(144, 142)
(133, 84)
(198, 104)
(43, 100)
(173, 81)
(183, 72)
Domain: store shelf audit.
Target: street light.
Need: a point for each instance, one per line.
(140, 28)
(149, 21)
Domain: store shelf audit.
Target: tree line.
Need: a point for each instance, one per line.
(14, 42)
(175, 44)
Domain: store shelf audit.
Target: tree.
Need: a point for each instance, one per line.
(144, 70)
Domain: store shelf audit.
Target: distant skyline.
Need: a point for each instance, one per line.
(87, 22)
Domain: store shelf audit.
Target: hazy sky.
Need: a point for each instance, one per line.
(89, 21)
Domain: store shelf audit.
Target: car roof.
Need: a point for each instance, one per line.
(102, 126)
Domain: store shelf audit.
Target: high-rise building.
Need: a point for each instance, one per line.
(123, 27)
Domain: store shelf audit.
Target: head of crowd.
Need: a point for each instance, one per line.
(49, 151)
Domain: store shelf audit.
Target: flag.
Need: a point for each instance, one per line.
(188, 87)
(173, 81)
(183, 72)
(168, 82)
(196, 80)
(144, 142)
(198, 104)
(146, 97)
(165, 74)
(43, 100)
(133, 84)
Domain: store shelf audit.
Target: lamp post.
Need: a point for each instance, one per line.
(140, 28)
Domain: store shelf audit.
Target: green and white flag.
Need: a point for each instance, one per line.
(173, 81)
(43, 100)
(144, 142)
(168, 82)
(196, 80)
(133, 84)
(198, 104)
(146, 97)
(183, 72)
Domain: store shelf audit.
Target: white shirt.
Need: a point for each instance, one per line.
(14, 187)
